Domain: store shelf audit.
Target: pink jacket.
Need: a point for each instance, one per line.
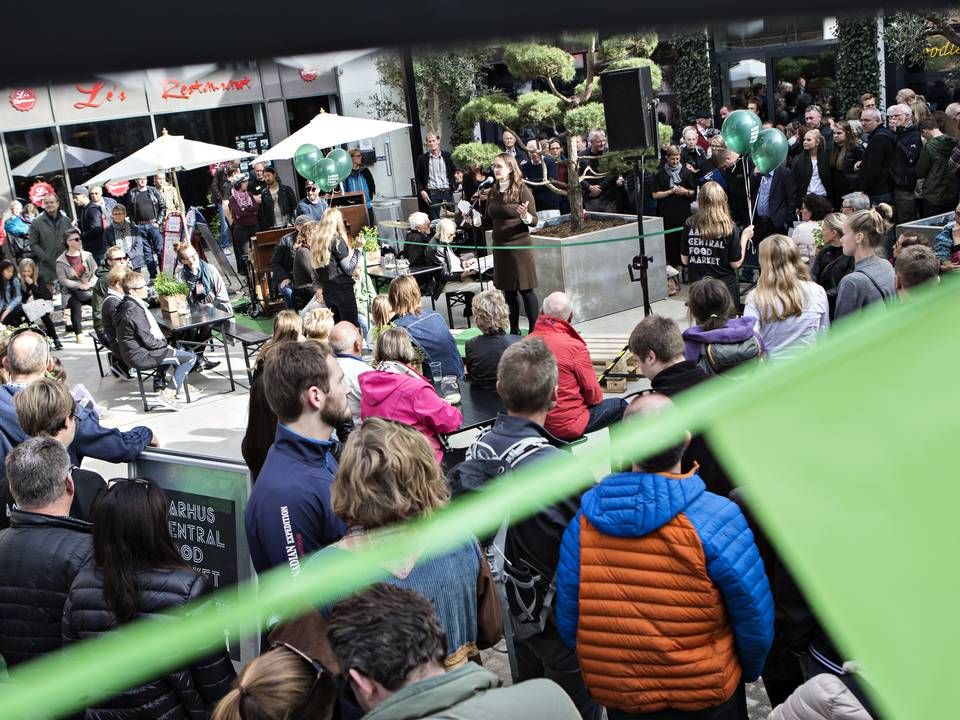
(411, 401)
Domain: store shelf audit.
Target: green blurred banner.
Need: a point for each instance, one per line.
(836, 450)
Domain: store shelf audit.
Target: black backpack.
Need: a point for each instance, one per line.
(717, 358)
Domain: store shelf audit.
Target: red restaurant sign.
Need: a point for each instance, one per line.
(118, 188)
(97, 94)
(23, 99)
(38, 191)
(175, 90)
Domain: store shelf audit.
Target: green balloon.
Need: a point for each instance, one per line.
(343, 162)
(305, 158)
(770, 150)
(740, 130)
(325, 174)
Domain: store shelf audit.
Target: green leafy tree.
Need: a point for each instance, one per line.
(691, 74)
(858, 69)
(445, 81)
(575, 111)
(906, 33)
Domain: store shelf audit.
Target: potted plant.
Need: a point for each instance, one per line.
(369, 237)
(172, 294)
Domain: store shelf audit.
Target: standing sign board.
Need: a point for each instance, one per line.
(207, 498)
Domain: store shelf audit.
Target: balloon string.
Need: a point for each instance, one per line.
(746, 185)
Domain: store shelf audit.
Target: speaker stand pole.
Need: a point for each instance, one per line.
(637, 270)
(641, 262)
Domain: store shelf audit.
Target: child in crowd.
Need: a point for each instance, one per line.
(79, 391)
(318, 324)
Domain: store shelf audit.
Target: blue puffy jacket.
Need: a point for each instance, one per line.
(660, 585)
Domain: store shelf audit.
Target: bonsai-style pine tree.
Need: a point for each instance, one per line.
(573, 112)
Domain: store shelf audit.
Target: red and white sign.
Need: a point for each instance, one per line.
(96, 93)
(38, 191)
(23, 99)
(175, 90)
(308, 75)
(117, 188)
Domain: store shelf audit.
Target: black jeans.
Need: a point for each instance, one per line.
(241, 235)
(341, 301)
(75, 302)
(605, 413)
(734, 708)
(530, 307)
(545, 656)
(437, 197)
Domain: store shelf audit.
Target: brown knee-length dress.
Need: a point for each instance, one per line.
(512, 269)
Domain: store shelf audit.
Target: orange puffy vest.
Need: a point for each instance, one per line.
(653, 631)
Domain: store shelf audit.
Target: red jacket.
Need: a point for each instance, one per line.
(577, 387)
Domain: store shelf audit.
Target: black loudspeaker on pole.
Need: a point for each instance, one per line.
(630, 111)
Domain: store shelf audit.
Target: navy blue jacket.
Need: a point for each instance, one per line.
(91, 438)
(290, 514)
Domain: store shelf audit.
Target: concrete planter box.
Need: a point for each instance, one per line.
(595, 276)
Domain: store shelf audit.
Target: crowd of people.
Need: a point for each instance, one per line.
(650, 594)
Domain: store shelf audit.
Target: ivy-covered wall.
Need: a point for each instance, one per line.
(691, 74)
(858, 69)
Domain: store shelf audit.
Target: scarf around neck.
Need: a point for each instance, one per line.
(244, 199)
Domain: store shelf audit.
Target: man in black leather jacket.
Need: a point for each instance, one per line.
(41, 552)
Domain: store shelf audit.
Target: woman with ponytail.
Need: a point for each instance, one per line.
(872, 278)
(280, 684)
(791, 310)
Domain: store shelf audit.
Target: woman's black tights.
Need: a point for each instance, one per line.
(530, 307)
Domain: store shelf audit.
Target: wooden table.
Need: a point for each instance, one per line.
(200, 316)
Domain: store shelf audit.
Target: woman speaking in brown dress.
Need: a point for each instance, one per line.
(512, 211)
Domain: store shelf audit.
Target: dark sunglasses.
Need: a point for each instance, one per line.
(119, 257)
(116, 481)
(26, 329)
(315, 665)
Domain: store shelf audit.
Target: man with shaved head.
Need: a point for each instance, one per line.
(347, 343)
(28, 360)
(679, 558)
(581, 407)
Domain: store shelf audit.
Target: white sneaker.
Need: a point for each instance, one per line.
(195, 391)
(168, 398)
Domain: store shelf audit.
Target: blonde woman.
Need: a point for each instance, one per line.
(831, 265)
(334, 263)
(872, 279)
(483, 352)
(396, 390)
(711, 245)
(791, 310)
(440, 253)
(388, 475)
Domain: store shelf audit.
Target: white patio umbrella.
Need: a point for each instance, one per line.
(748, 70)
(327, 130)
(167, 152)
(49, 161)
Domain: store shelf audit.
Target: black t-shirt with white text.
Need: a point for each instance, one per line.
(711, 257)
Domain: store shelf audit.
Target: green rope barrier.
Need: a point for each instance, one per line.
(559, 240)
(82, 673)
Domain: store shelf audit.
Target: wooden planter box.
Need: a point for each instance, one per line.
(174, 304)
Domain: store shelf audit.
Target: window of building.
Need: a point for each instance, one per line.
(120, 138)
(219, 126)
(35, 158)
